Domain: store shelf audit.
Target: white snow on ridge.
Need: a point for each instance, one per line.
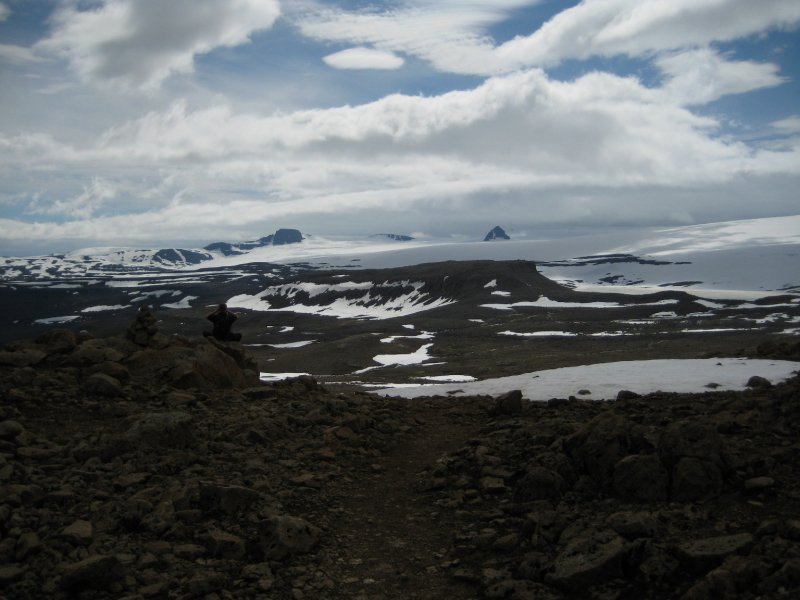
(365, 306)
(605, 380)
(545, 302)
(539, 334)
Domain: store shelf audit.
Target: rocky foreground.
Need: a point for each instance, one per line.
(145, 466)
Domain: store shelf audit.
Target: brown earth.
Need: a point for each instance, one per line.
(158, 467)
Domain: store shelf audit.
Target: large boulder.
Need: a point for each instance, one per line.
(283, 536)
(641, 477)
(589, 558)
(602, 443)
(691, 451)
(57, 341)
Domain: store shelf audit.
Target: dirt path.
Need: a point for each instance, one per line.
(391, 540)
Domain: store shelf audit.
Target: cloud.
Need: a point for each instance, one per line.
(363, 58)
(17, 54)
(599, 148)
(137, 44)
(453, 36)
(702, 76)
(644, 27)
(788, 125)
(4, 12)
(94, 196)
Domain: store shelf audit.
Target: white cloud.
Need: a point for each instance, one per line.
(94, 196)
(702, 76)
(788, 125)
(139, 43)
(642, 27)
(363, 58)
(600, 148)
(16, 54)
(453, 37)
(4, 12)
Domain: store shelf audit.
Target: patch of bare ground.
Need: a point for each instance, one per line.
(390, 540)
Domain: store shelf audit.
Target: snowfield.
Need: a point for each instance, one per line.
(604, 381)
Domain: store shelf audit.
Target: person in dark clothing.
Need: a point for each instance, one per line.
(223, 320)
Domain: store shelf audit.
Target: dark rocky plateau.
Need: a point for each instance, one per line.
(146, 465)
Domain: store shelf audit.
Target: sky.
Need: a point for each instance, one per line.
(144, 122)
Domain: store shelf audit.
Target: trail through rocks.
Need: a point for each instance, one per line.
(393, 541)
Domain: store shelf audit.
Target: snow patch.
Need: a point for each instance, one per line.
(103, 308)
(55, 320)
(606, 379)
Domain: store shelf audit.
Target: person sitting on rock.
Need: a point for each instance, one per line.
(223, 320)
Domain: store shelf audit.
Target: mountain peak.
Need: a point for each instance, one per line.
(496, 234)
(279, 238)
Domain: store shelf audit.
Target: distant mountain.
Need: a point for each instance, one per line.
(496, 234)
(393, 236)
(93, 262)
(279, 238)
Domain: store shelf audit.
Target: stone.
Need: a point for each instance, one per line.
(758, 382)
(143, 329)
(96, 572)
(189, 551)
(36, 453)
(756, 484)
(57, 341)
(695, 479)
(228, 499)
(9, 574)
(79, 533)
(26, 357)
(283, 536)
(627, 395)
(507, 404)
(162, 430)
(492, 485)
(113, 369)
(539, 483)
(27, 544)
(590, 558)
(633, 524)
(784, 579)
(641, 477)
(600, 444)
(222, 544)
(707, 553)
(100, 384)
(127, 480)
(93, 352)
(691, 438)
(691, 450)
(10, 430)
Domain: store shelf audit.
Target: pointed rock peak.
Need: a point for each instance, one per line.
(496, 234)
